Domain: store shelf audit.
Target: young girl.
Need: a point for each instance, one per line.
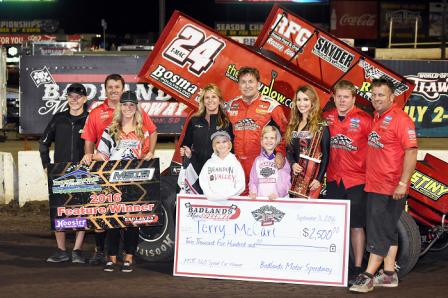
(222, 176)
(265, 179)
(124, 139)
(304, 124)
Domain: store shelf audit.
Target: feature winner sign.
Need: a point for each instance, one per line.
(291, 241)
(325, 58)
(189, 55)
(104, 195)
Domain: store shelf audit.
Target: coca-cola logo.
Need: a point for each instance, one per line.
(367, 20)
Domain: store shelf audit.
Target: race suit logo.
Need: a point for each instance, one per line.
(374, 140)
(132, 175)
(268, 215)
(75, 181)
(428, 186)
(212, 212)
(246, 124)
(42, 76)
(333, 54)
(174, 81)
(341, 141)
(430, 85)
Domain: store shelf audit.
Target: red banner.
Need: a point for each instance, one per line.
(19, 39)
(354, 19)
(324, 58)
(188, 56)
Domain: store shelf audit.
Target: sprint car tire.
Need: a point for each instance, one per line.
(409, 244)
(157, 243)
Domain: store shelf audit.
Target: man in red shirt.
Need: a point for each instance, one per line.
(249, 113)
(100, 118)
(346, 172)
(391, 159)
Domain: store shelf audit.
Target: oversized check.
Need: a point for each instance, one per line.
(289, 240)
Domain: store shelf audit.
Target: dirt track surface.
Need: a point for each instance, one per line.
(26, 242)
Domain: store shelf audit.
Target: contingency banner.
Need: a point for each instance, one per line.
(189, 55)
(323, 57)
(45, 79)
(292, 241)
(428, 104)
(104, 195)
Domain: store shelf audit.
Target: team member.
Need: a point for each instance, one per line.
(222, 176)
(391, 159)
(126, 138)
(346, 172)
(210, 117)
(304, 124)
(64, 130)
(100, 118)
(265, 179)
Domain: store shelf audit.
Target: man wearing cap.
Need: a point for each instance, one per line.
(64, 130)
(249, 113)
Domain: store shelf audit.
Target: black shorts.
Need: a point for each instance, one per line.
(383, 214)
(357, 198)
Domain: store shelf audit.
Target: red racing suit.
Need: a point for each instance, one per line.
(248, 121)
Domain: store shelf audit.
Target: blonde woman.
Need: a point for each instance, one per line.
(304, 124)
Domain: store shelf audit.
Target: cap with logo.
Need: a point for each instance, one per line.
(220, 133)
(77, 88)
(129, 96)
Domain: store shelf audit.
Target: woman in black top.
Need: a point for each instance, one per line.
(304, 125)
(209, 118)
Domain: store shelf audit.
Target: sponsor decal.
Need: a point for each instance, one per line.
(268, 215)
(70, 223)
(246, 124)
(430, 85)
(289, 32)
(341, 141)
(174, 81)
(212, 212)
(304, 134)
(411, 134)
(76, 181)
(142, 174)
(42, 76)
(261, 111)
(374, 140)
(141, 219)
(333, 54)
(354, 123)
(102, 210)
(428, 186)
(371, 72)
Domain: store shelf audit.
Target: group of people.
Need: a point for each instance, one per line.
(247, 146)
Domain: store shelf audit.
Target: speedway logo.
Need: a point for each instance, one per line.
(246, 124)
(76, 181)
(428, 186)
(374, 140)
(142, 174)
(371, 72)
(430, 85)
(42, 76)
(268, 215)
(212, 212)
(174, 81)
(341, 141)
(333, 54)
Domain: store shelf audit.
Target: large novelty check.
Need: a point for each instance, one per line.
(289, 240)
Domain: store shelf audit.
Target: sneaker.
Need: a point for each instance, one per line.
(97, 258)
(381, 279)
(127, 267)
(110, 267)
(58, 257)
(353, 274)
(362, 284)
(77, 257)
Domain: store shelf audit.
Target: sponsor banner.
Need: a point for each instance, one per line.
(45, 79)
(104, 195)
(354, 19)
(23, 38)
(189, 55)
(239, 29)
(404, 15)
(55, 48)
(428, 104)
(323, 57)
(28, 26)
(286, 240)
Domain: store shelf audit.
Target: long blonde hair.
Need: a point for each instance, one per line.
(223, 120)
(314, 116)
(116, 126)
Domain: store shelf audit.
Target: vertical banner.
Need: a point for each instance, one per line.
(428, 104)
(324, 58)
(292, 241)
(104, 195)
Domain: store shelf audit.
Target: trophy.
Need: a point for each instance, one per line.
(309, 159)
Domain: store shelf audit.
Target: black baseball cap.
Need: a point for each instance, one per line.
(129, 96)
(77, 88)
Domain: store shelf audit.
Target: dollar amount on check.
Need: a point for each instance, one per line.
(288, 240)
